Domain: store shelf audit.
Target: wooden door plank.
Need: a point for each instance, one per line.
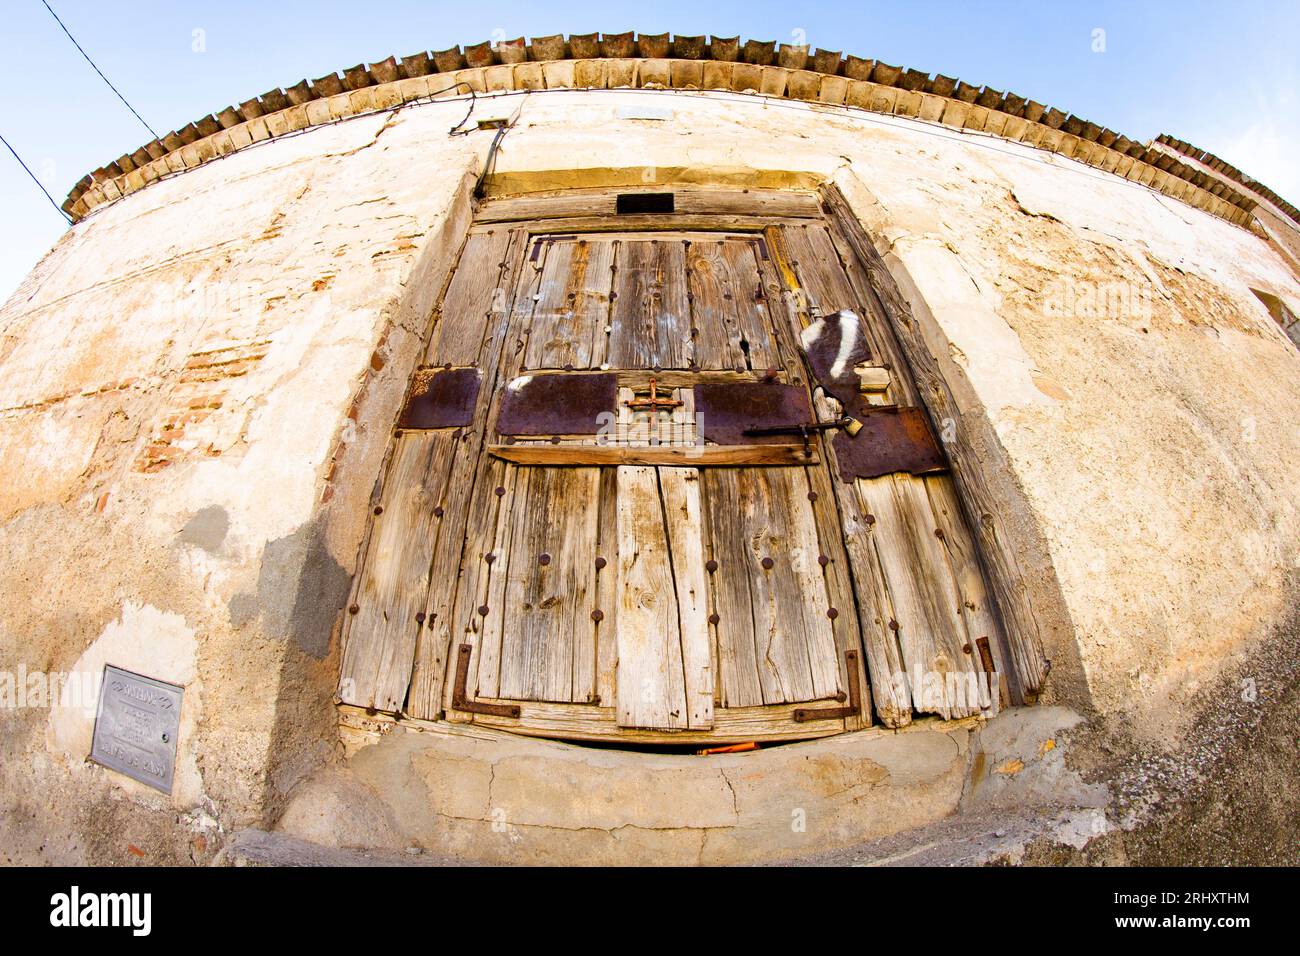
(705, 201)
(380, 640)
(486, 577)
(680, 489)
(737, 648)
(548, 630)
(1007, 567)
(923, 593)
(470, 509)
(568, 325)
(976, 609)
(729, 321)
(834, 562)
(753, 323)
(775, 642)
(806, 585)
(734, 725)
(712, 324)
(784, 665)
(607, 582)
(651, 688)
(632, 339)
(650, 319)
(472, 300)
(884, 659)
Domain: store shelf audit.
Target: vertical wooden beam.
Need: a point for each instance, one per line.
(651, 685)
(680, 488)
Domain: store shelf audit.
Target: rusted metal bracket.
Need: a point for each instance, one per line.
(552, 404)
(441, 398)
(732, 413)
(460, 699)
(801, 429)
(653, 402)
(854, 708)
(542, 241)
(891, 438)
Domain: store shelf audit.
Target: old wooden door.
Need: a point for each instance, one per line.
(632, 567)
(588, 545)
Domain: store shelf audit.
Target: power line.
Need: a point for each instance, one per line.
(38, 183)
(99, 71)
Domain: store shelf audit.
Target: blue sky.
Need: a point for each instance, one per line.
(1222, 76)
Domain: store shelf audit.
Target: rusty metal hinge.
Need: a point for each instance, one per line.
(460, 699)
(854, 708)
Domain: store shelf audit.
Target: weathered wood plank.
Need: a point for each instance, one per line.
(485, 579)
(469, 514)
(638, 224)
(784, 664)
(607, 581)
(680, 489)
(924, 596)
(884, 661)
(568, 325)
(695, 202)
(963, 561)
(737, 648)
(380, 639)
(689, 455)
(548, 635)
(775, 642)
(651, 688)
(466, 313)
(833, 560)
(728, 319)
(732, 725)
(753, 320)
(650, 318)
(889, 688)
(804, 584)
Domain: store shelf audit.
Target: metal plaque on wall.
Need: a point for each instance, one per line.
(136, 727)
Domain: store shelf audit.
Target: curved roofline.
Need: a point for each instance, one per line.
(658, 61)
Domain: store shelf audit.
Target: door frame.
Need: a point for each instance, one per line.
(734, 210)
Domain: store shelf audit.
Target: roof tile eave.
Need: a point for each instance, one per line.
(1070, 134)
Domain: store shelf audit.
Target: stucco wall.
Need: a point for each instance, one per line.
(1134, 398)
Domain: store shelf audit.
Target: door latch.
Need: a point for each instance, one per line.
(850, 425)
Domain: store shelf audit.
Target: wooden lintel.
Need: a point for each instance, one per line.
(689, 456)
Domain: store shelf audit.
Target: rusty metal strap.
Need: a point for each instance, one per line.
(569, 404)
(727, 411)
(893, 438)
(441, 398)
(460, 699)
(854, 708)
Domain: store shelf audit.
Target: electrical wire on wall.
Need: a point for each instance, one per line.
(480, 187)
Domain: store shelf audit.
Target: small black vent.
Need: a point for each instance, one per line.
(629, 203)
